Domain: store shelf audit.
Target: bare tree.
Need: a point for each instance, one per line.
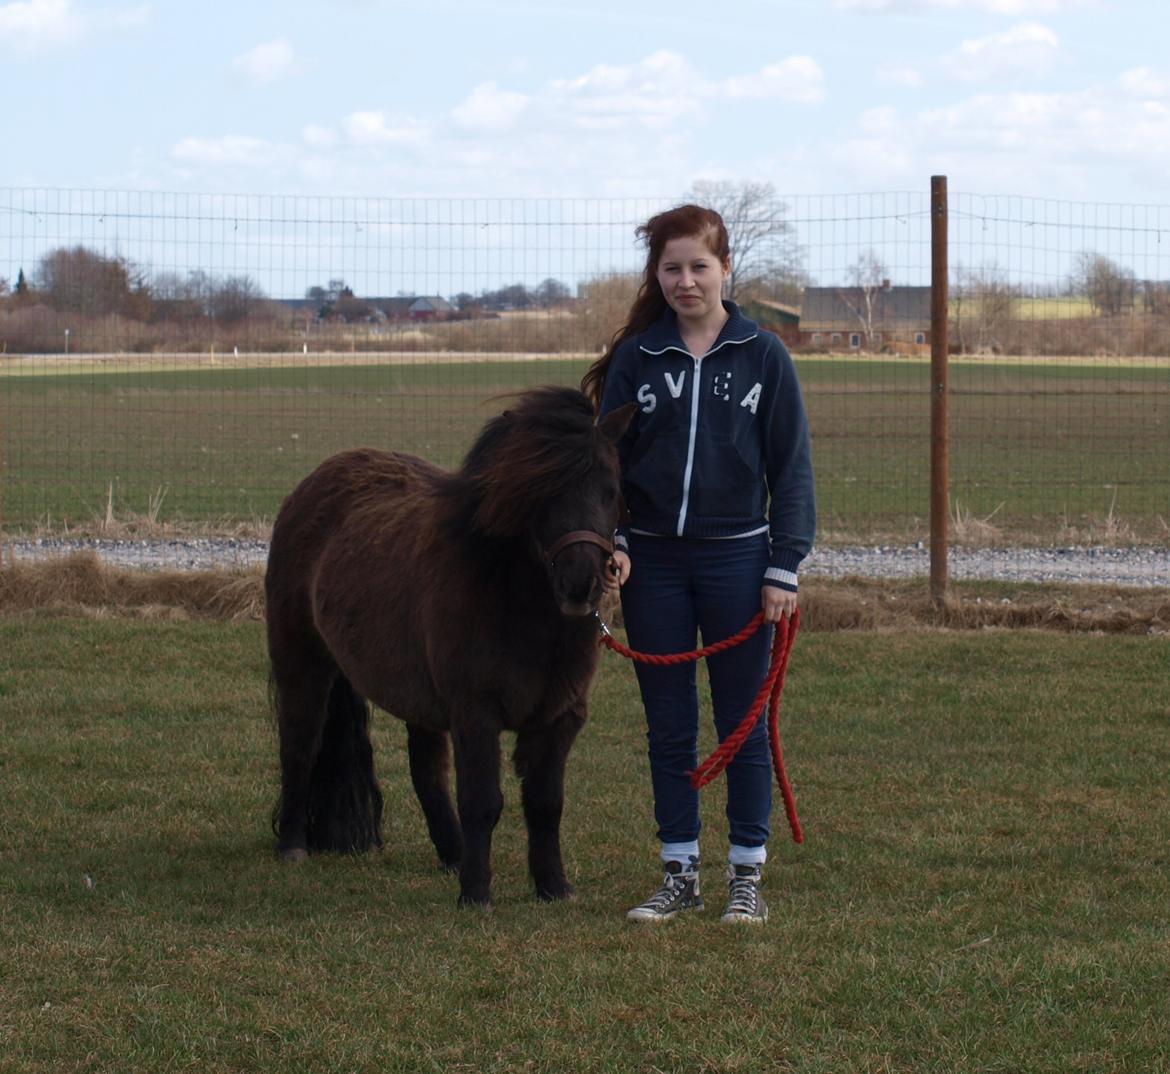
(1109, 287)
(1156, 297)
(550, 292)
(234, 299)
(983, 302)
(602, 306)
(80, 280)
(765, 258)
(869, 277)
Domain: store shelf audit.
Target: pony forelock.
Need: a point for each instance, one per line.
(539, 447)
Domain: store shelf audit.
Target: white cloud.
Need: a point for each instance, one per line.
(230, 149)
(489, 109)
(130, 17)
(659, 93)
(267, 62)
(584, 134)
(651, 94)
(372, 129)
(1014, 8)
(906, 77)
(37, 25)
(798, 80)
(1013, 142)
(1142, 82)
(997, 123)
(1022, 51)
(878, 121)
(321, 138)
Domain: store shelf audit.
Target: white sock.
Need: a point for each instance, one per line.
(680, 852)
(747, 855)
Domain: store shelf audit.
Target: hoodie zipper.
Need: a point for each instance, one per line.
(686, 492)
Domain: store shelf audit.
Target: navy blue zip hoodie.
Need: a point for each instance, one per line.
(715, 439)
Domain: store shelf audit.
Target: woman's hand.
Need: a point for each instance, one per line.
(777, 603)
(617, 570)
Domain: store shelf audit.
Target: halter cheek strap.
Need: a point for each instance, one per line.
(578, 537)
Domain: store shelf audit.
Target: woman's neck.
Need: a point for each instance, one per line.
(699, 336)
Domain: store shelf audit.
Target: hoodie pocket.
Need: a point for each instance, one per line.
(654, 474)
(726, 484)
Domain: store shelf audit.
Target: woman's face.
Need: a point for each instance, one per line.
(691, 278)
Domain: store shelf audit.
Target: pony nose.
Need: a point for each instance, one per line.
(577, 584)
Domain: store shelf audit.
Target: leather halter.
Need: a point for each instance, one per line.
(578, 537)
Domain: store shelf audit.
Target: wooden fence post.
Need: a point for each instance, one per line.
(939, 428)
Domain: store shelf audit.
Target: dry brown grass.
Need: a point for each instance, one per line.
(82, 584)
(885, 604)
(968, 529)
(125, 524)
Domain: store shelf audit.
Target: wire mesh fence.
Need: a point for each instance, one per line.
(187, 358)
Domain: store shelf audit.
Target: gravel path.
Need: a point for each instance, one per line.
(1147, 566)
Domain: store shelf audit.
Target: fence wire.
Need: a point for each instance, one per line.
(187, 358)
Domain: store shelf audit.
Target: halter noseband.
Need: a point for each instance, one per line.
(577, 537)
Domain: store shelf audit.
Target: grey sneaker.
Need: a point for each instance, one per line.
(744, 901)
(679, 891)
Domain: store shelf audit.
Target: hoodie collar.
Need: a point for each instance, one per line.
(664, 334)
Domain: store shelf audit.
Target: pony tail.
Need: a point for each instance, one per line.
(344, 800)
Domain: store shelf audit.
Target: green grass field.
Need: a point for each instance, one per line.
(983, 886)
(1043, 448)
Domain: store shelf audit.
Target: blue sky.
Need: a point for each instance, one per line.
(1067, 99)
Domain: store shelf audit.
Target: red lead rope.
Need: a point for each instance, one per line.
(769, 692)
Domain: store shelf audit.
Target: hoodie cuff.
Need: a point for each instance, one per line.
(781, 579)
(781, 571)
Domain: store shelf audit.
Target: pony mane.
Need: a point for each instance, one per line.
(544, 443)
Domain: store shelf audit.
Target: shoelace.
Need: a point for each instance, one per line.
(671, 886)
(743, 896)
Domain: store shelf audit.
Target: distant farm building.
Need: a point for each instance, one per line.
(414, 307)
(882, 318)
(776, 317)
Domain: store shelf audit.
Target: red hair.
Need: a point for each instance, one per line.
(683, 221)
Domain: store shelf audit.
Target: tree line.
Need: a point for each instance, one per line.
(767, 263)
(75, 279)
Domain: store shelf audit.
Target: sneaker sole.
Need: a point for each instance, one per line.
(650, 917)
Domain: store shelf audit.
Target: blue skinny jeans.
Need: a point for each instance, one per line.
(679, 588)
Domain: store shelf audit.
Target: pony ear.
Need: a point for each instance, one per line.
(616, 422)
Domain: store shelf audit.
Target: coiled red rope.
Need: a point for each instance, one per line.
(769, 693)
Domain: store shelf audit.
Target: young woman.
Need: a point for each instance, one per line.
(717, 478)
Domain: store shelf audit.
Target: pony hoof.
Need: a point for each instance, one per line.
(556, 892)
(295, 855)
(483, 905)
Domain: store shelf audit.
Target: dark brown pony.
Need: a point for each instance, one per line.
(460, 602)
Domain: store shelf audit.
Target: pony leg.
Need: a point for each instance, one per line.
(300, 697)
(430, 754)
(480, 803)
(540, 763)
